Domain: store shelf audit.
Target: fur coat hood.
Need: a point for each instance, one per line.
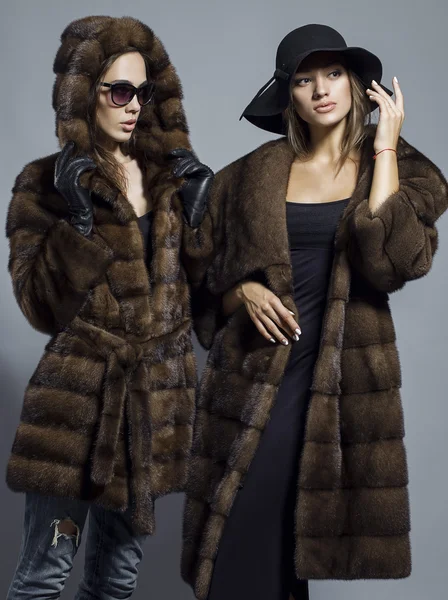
(352, 511)
(85, 45)
(108, 413)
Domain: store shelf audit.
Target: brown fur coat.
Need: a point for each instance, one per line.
(352, 513)
(108, 413)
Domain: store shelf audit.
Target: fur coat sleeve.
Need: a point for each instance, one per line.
(52, 266)
(397, 243)
(200, 250)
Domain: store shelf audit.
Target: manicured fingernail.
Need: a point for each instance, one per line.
(272, 340)
(296, 337)
(371, 98)
(285, 342)
(291, 312)
(374, 82)
(395, 79)
(298, 331)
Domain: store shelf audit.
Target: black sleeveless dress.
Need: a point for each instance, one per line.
(256, 552)
(145, 224)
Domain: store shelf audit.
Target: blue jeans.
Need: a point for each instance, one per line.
(113, 551)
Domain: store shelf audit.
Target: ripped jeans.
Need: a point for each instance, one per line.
(113, 551)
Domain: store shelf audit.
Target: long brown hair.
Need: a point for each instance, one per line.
(358, 119)
(107, 164)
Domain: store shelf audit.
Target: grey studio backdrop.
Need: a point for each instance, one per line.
(224, 51)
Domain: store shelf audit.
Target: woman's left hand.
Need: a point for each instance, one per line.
(194, 192)
(391, 115)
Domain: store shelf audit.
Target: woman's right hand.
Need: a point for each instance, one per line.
(66, 180)
(270, 316)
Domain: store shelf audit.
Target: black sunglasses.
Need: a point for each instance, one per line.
(122, 93)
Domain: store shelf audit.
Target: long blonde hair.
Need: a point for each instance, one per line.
(358, 118)
(107, 164)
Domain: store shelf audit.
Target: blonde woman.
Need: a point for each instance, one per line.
(299, 469)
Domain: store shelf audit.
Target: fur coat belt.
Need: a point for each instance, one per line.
(124, 405)
(120, 404)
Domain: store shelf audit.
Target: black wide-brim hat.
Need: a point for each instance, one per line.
(266, 108)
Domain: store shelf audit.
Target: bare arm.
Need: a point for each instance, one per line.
(265, 309)
(232, 300)
(385, 176)
(385, 180)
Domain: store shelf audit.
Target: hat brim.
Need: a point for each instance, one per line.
(266, 110)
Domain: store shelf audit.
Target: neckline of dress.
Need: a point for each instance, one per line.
(145, 215)
(318, 203)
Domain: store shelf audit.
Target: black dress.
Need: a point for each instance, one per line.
(145, 224)
(256, 552)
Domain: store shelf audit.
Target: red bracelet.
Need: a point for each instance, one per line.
(391, 149)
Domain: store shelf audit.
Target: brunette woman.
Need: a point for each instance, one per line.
(299, 469)
(95, 234)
